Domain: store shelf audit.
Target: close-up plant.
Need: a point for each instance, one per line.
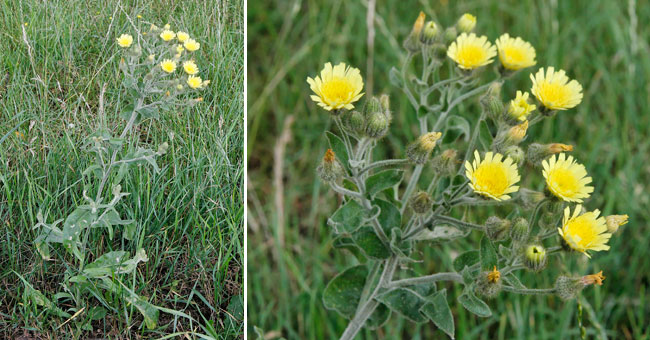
(461, 188)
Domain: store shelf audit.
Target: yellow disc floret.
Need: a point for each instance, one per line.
(515, 53)
(168, 65)
(470, 51)
(493, 177)
(554, 89)
(566, 178)
(190, 67)
(125, 40)
(584, 231)
(337, 87)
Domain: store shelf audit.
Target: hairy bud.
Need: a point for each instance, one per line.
(516, 154)
(450, 34)
(330, 170)
(429, 33)
(420, 150)
(355, 122)
(539, 152)
(535, 257)
(466, 23)
(376, 125)
(412, 42)
(446, 163)
(519, 231)
(488, 283)
(496, 228)
(568, 288)
(615, 221)
(491, 101)
(421, 202)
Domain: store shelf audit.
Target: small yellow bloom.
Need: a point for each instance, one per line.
(515, 53)
(554, 89)
(559, 147)
(466, 23)
(182, 36)
(337, 87)
(494, 275)
(191, 45)
(168, 65)
(518, 132)
(492, 177)
(139, 16)
(470, 51)
(190, 67)
(167, 27)
(428, 140)
(179, 49)
(584, 231)
(566, 178)
(125, 40)
(519, 107)
(26, 24)
(194, 82)
(205, 83)
(615, 221)
(167, 35)
(597, 278)
(179, 87)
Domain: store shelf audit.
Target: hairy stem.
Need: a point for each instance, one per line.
(448, 276)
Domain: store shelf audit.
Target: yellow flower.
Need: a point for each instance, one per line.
(191, 45)
(179, 49)
(194, 82)
(205, 83)
(167, 35)
(190, 67)
(139, 16)
(515, 53)
(125, 40)
(182, 36)
(466, 23)
(168, 65)
(519, 107)
(566, 178)
(493, 177)
(554, 90)
(167, 27)
(470, 51)
(337, 87)
(591, 279)
(584, 231)
(615, 221)
(494, 275)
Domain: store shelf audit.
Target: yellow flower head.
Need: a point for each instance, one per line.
(125, 40)
(554, 90)
(615, 221)
(179, 49)
(584, 231)
(190, 67)
(566, 178)
(466, 23)
(167, 35)
(519, 107)
(168, 65)
(194, 82)
(515, 53)
(191, 45)
(493, 177)
(182, 36)
(470, 51)
(337, 87)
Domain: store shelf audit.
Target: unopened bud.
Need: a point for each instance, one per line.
(429, 33)
(519, 231)
(568, 288)
(412, 41)
(151, 57)
(466, 23)
(539, 152)
(488, 283)
(530, 198)
(615, 221)
(376, 125)
(517, 133)
(535, 257)
(384, 101)
(516, 154)
(355, 122)
(446, 163)
(491, 101)
(420, 150)
(373, 105)
(496, 228)
(450, 34)
(330, 170)
(421, 202)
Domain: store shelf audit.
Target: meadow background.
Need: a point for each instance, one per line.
(602, 44)
(191, 212)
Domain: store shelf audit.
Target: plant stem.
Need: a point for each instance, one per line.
(448, 276)
(529, 291)
(387, 162)
(344, 191)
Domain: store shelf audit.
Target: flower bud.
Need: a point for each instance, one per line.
(466, 23)
(151, 57)
(517, 133)
(491, 101)
(530, 198)
(429, 33)
(418, 152)
(539, 152)
(516, 154)
(355, 122)
(450, 34)
(615, 221)
(548, 220)
(446, 162)
(535, 257)
(496, 228)
(373, 105)
(519, 231)
(412, 42)
(568, 288)
(384, 100)
(488, 283)
(377, 125)
(330, 170)
(421, 203)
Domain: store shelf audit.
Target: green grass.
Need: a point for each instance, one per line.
(597, 42)
(189, 216)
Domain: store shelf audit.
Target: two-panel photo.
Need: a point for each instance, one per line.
(324, 169)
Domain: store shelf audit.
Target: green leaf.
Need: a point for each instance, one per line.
(348, 217)
(405, 302)
(389, 215)
(338, 146)
(114, 262)
(148, 311)
(235, 312)
(378, 317)
(485, 136)
(77, 221)
(512, 280)
(343, 293)
(38, 298)
(383, 180)
(461, 125)
(474, 304)
(437, 309)
(438, 233)
(395, 78)
(488, 254)
(466, 259)
(368, 241)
